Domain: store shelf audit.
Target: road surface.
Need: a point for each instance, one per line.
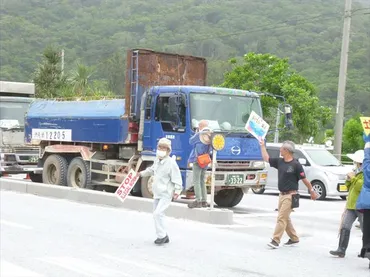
(50, 237)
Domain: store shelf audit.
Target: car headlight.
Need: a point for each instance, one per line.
(332, 176)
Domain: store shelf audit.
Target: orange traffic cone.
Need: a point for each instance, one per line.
(27, 177)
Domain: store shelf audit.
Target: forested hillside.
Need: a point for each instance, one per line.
(97, 32)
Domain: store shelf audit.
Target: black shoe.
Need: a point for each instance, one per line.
(205, 204)
(273, 244)
(291, 242)
(343, 244)
(164, 240)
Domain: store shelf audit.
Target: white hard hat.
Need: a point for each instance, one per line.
(357, 157)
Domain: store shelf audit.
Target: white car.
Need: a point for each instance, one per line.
(324, 171)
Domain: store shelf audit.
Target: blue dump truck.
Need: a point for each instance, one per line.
(95, 143)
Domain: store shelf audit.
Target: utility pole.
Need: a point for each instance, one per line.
(62, 55)
(338, 133)
(276, 138)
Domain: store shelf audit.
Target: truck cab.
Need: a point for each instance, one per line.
(174, 112)
(15, 156)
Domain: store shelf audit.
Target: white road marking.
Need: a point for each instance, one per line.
(10, 270)
(13, 224)
(83, 267)
(145, 265)
(293, 214)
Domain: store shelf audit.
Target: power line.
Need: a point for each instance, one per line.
(262, 28)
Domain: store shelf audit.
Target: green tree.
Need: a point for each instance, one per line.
(269, 73)
(352, 135)
(48, 77)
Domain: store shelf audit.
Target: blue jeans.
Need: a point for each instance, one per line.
(350, 217)
(199, 182)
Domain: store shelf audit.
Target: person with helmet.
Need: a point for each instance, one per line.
(363, 201)
(167, 185)
(354, 182)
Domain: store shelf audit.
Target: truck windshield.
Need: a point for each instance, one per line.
(323, 157)
(223, 112)
(13, 111)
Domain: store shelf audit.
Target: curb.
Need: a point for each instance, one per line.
(176, 210)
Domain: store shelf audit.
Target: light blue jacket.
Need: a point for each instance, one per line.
(167, 178)
(363, 200)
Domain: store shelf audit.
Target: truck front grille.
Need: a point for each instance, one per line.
(233, 165)
(26, 150)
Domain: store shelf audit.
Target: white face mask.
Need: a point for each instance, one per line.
(356, 167)
(161, 154)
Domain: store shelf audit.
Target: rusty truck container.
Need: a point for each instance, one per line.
(147, 68)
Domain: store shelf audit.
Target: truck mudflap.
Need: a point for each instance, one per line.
(234, 179)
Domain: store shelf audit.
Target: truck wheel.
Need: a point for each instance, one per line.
(79, 174)
(36, 178)
(55, 170)
(146, 187)
(259, 190)
(229, 197)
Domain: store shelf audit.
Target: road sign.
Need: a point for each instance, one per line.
(366, 124)
(127, 184)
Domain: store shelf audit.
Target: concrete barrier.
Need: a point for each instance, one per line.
(176, 210)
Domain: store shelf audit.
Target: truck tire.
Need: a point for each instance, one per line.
(36, 178)
(79, 174)
(229, 197)
(55, 170)
(146, 187)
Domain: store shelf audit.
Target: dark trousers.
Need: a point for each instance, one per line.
(366, 233)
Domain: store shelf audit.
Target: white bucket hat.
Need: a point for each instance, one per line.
(205, 136)
(165, 142)
(357, 157)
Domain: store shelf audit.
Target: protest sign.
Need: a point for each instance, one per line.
(366, 124)
(127, 184)
(257, 126)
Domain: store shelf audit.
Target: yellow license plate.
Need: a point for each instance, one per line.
(263, 176)
(343, 188)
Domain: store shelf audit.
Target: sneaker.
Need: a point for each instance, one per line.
(195, 204)
(273, 244)
(291, 242)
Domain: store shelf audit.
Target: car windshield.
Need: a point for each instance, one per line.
(223, 112)
(323, 157)
(13, 111)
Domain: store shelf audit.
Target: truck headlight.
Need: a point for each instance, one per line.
(190, 165)
(259, 164)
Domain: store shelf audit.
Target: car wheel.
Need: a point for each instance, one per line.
(320, 189)
(259, 190)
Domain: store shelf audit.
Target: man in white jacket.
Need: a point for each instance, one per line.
(167, 185)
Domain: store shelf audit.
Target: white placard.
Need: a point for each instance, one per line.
(127, 184)
(52, 134)
(257, 126)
